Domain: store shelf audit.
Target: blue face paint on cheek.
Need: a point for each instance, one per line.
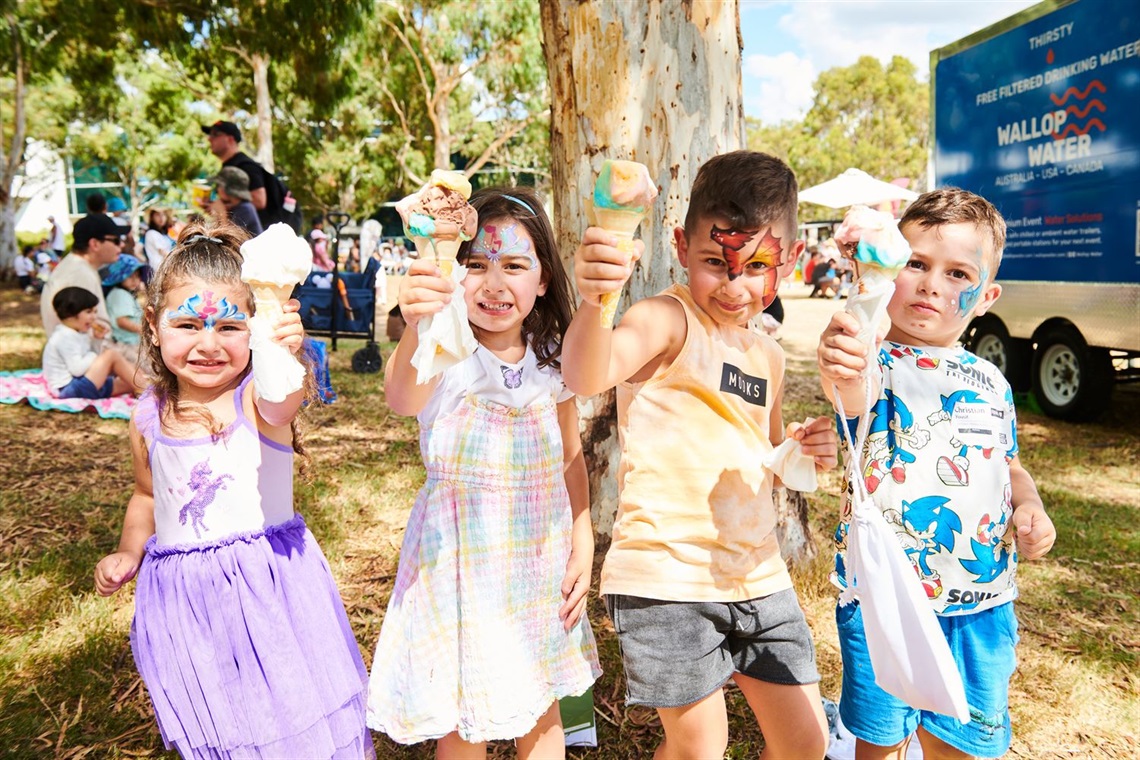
(969, 298)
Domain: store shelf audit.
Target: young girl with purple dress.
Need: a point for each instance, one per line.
(239, 631)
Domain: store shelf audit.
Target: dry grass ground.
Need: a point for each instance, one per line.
(69, 689)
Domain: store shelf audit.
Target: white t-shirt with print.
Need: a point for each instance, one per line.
(936, 462)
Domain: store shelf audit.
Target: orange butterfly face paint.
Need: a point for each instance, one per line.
(743, 256)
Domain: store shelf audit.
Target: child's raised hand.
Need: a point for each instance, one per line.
(113, 571)
(575, 584)
(289, 331)
(599, 267)
(424, 291)
(817, 440)
(1035, 531)
(842, 356)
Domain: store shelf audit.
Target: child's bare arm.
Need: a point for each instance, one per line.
(128, 324)
(119, 568)
(579, 567)
(423, 293)
(289, 333)
(1035, 531)
(842, 360)
(597, 358)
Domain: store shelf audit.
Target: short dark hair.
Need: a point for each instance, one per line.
(69, 302)
(96, 203)
(952, 205)
(746, 188)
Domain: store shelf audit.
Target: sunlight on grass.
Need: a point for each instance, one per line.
(69, 688)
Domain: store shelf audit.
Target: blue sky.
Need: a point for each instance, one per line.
(788, 44)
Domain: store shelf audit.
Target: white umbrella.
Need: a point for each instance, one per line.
(855, 186)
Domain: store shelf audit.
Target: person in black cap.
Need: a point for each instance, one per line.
(97, 242)
(224, 139)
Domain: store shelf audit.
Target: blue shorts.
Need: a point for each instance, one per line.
(81, 387)
(983, 645)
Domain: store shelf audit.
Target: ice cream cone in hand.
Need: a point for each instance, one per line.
(623, 194)
(272, 264)
(268, 298)
(872, 240)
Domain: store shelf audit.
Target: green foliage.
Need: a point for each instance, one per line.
(867, 116)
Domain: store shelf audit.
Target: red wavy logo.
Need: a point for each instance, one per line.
(1060, 101)
(1088, 107)
(1094, 122)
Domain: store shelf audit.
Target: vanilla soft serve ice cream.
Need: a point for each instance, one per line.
(273, 263)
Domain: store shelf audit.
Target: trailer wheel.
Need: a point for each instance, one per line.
(1071, 380)
(988, 338)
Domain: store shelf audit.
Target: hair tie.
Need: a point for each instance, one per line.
(524, 204)
(207, 238)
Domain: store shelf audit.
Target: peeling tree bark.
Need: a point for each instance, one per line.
(260, 65)
(656, 81)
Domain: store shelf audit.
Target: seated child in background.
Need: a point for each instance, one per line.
(949, 480)
(72, 366)
(693, 579)
(121, 282)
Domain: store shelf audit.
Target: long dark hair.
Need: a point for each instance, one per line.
(211, 252)
(548, 320)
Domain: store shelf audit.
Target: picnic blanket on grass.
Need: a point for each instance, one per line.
(29, 385)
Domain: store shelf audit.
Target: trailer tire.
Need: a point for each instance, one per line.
(988, 338)
(1071, 380)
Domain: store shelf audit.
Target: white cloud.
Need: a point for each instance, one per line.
(825, 34)
(785, 90)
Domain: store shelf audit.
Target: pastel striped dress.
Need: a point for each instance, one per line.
(472, 641)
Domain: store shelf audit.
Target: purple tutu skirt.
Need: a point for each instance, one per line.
(246, 650)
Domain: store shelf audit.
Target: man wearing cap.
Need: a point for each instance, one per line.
(234, 200)
(97, 242)
(224, 139)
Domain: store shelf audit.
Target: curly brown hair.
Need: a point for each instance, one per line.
(208, 251)
(548, 320)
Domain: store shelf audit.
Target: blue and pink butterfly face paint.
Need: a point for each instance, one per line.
(207, 309)
(502, 245)
(205, 312)
(743, 257)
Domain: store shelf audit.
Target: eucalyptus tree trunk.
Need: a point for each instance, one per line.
(658, 82)
(655, 81)
(260, 64)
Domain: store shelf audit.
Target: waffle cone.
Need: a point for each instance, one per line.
(268, 297)
(442, 252)
(622, 224)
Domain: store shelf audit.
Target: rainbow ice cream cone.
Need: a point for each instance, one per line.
(872, 240)
(438, 219)
(623, 194)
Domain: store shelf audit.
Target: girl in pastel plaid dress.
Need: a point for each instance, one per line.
(485, 629)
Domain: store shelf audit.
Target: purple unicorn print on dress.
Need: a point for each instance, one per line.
(204, 490)
(512, 378)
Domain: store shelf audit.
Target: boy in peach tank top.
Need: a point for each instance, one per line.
(693, 579)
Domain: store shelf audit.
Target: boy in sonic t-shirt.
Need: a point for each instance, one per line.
(942, 465)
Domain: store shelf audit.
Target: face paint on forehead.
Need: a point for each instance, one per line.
(205, 307)
(735, 245)
(495, 241)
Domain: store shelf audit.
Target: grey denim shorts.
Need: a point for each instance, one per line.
(676, 653)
